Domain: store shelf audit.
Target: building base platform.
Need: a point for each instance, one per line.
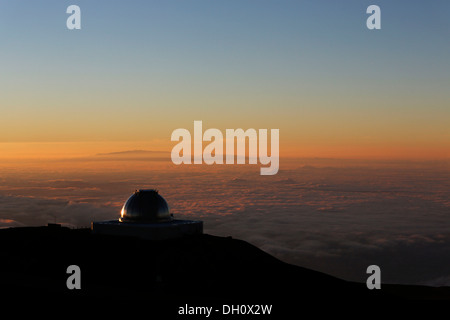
(149, 231)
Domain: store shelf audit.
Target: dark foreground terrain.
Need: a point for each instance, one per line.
(124, 272)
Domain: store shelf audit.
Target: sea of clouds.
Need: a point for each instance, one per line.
(333, 217)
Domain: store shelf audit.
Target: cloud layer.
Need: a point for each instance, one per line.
(336, 219)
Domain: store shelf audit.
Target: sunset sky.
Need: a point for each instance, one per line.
(86, 117)
(138, 70)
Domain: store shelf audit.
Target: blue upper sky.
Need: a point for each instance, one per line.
(246, 56)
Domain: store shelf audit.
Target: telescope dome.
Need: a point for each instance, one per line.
(145, 206)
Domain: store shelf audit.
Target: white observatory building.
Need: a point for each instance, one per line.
(146, 215)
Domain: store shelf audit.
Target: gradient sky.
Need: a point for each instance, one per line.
(140, 69)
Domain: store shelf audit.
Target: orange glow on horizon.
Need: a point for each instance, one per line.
(83, 150)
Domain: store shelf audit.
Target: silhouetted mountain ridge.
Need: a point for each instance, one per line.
(201, 268)
(132, 152)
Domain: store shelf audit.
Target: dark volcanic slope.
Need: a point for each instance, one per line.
(197, 268)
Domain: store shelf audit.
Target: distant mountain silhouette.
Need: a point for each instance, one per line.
(201, 270)
(132, 153)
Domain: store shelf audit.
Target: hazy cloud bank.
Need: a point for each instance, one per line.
(334, 219)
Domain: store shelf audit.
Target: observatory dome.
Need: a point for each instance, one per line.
(145, 206)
